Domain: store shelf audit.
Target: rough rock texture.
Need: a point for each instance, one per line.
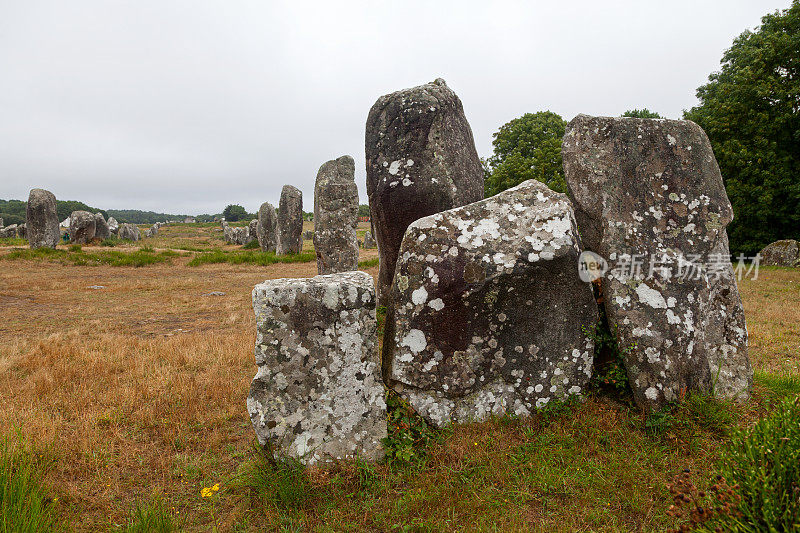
(154, 229)
(369, 241)
(488, 311)
(1, 222)
(781, 253)
(290, 221)
(308, 235)
(335, 216)
(8, 232)
(649, 193)
(317, 394)
(101, 230)
(81, 227)
(129, 232)
(252, 231)
(22, 231)
(113, 226)
(266, 227)
(42, 219)
(421, 160)
(237, 235)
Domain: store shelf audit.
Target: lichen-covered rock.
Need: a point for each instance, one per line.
(81, 227)
(129, 232)
(650, 199)
(317, 395)
(335, 216)
(369, 241)
(42, 219)
(489, 315)
(781, 253)
(154, 229)
(308, 235)
(421, 160)
(22, 231)
(113, 226)
(252, 231)
(266, 227)
(8, 232)
(290, 221)
(101, 230)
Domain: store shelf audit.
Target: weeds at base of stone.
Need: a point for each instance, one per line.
(408, 433)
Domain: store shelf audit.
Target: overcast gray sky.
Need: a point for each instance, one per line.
(187, 106)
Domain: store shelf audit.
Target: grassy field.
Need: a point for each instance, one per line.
(126, 402)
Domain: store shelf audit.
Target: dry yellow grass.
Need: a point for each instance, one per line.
(140, 388)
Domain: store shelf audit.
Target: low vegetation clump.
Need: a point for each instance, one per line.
(12, 241)
(251, 257)
(75, 255)
(153, 516)
(368, 263)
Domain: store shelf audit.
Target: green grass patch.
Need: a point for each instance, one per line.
(250, 257)
(779, 386)
(151, 517)
(13, 241)
(252, 245)
(24, 503)
(368, 263)
(77, 256)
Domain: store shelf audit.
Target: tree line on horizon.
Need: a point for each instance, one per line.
(750, 110)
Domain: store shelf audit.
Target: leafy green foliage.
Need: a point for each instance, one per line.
(609, 362)
(526, 148)
(24, 503)
(751, 112)
(363, 210)
(234, 212)
(408, 433)
(252, 257)
(763, 463)
(641, 113)
(153, 517)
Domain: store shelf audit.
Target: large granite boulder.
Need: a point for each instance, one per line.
(113, 226)
(317, 395)
(82, 227)
(369, 241)
(101, 230)
(8, 232)
(129, 232)
(335, 216)
(266, 227)
(781, 253)
(421, 160)
(649, 198)
(290, 221)
(489, 314)
(42, 219)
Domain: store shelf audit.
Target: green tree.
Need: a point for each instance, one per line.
(528, 147)
(750, 111)
(234, 212)
(641, 113)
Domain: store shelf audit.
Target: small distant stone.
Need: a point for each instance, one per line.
(96, 287)
(214, 293)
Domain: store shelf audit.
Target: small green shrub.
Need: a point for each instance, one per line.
(153, 517)
(763, 464)
(109, 242)
(24, 503)
(252, 245)
(408, 433)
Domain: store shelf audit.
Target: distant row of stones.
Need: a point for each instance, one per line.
(486, 311)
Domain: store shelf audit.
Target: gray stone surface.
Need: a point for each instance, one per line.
(252, 231)
(317, 395)
(369, 241)
(489, 314)
(22, 231)
(781, 253)
(308, 235)
(335, 216)
(8, 232)
(113, 226)
(649, 192)
(129, 232)
(290, 221)
(101, 230)
(154, 229)
(42, 219)
(81, 227)
(1, 222)
(267, 219)
(421, 160)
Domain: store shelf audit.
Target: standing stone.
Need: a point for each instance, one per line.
(42, 219)
(8, 232)
(22, 231)
(489, 314)
(252, 231)
(781, 253)
(290, 221)
(421, 160)
(1, 222)
(317, 395)
(335, 212)
(369, 241)
(81, 227)
(154, 229)
(649, 198)
(266, 227)
(113, 226)
(129, 232)
(308, 235)
(101, 230)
